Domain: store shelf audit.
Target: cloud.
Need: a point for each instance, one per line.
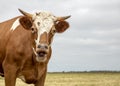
(91, 42)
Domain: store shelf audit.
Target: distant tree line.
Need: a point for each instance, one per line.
(93, 71)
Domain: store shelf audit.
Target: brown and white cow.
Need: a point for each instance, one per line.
(25, 46)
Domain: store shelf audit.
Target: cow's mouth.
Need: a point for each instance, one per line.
(42, 53)
(41, 56)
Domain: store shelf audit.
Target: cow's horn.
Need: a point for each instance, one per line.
(25, 13)
(63, 18)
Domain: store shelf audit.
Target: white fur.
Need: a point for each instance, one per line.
(46, 20)
(34, 51)
(15, 24)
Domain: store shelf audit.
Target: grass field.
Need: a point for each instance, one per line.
(77, 79)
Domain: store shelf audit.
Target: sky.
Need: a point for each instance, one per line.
(93, 40)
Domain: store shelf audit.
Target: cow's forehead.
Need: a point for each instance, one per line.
(46, 21)
(43, 15)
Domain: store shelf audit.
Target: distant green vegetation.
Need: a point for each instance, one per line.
(78, 79)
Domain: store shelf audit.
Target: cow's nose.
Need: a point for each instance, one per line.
(42, 46)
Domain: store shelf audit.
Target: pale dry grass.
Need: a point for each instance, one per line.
(77, 79)
(83, 79)
(19, 83)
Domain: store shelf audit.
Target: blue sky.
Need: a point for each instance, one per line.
(93, 40)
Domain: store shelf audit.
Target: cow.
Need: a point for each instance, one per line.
(25, 46)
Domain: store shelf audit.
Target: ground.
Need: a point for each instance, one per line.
(77, 79)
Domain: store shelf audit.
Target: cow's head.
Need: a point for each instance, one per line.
(43, 26)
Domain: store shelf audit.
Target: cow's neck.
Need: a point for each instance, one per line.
(41, 68)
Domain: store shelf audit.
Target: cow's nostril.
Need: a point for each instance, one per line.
(46, 47)
(39, 46)
(42, 47)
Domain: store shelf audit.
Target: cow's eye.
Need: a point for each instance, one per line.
(53, 31)
(33, 30)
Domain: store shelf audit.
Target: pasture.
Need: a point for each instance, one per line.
(77, 79)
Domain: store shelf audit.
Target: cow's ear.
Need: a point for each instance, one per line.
(61, 26)
(26, 22)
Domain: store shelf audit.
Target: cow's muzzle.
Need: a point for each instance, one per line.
(41, 52)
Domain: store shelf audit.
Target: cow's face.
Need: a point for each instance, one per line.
(43, 26)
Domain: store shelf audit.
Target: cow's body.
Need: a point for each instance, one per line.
(25, 47)
(15, 50)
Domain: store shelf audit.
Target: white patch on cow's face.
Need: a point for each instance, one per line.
(15, 24)
(44, 22)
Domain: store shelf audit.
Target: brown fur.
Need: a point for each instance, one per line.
(61, 26)
(17, 58)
